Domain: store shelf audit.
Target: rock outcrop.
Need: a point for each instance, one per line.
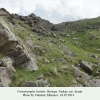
(3, 12)
(11, 46)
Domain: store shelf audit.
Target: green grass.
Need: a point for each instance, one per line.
(55, 79)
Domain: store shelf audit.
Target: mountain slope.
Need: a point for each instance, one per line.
(65, 54)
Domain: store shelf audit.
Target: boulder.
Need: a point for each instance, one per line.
(79, 74)
(5, 76)
(38, 83)
(6, 72)
(8, 62)
(86, 67)
(84, 79)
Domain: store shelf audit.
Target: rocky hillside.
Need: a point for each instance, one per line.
(37, 53)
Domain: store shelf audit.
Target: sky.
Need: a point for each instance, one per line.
(56, 11)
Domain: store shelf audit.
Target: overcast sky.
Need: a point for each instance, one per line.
(56, 11)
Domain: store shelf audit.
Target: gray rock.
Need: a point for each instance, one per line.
(93, 83)
(5, 76)
(79, 74)
(60, 60)
(68, 35)
(76, 43)
(40, 77)
(84, 79)
(8, 62)
(53, 41)
(86, 67)
(30, 43)
(91, 37)
(46, 60)
(13, 47)
(77, 85)
(94, 56)
(64, 67)
(70, 53)
(3, 12)
(38, 83)
(74, 39)
(6, 72)
(55, 70)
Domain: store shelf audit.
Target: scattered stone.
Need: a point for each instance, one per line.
(74, 39)
(55, 70)
(46, 60)
(64, 67)
(76, 43)
(86, 67)
(78, 85)
(68, 35)
(70, 53)
(91, 37)
(74, 81)
(38, 83)
(60, 60)
(40, 77)
(61, 40)
(50, 45)
(84, 79)
(53, 41)
(94, 56)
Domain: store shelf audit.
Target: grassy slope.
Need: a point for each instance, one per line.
(54, 52)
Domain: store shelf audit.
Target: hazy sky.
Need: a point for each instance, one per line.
(55, 11)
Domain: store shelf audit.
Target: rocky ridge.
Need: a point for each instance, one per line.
(15, 50)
